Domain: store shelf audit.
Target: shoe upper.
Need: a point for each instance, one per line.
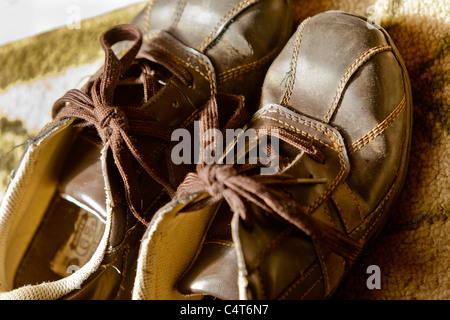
(214, 48)
(338, 89)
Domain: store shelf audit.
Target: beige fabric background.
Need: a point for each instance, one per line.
(413, 251)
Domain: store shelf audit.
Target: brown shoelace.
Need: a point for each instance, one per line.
(118, 126)
(228, 182)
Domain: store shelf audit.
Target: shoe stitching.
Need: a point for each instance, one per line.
(297, 131)
(380, 207)
(316, 126)
(366, 56)
(354, 199)
(379, 216)
(293, 64)
(196, 68)
(325, 195)
(282, 235)
(332, 137)
(271, 109)
(232, 73)
(149, 36)
(262, 285)
(200, 60)
(327, 212)
(231, 245)
(375, 132)
(154, 201)
(339, 212)
(230, 14)
(203, 62)
(148, 10)
(310, 288)
(297, 282)
(324, 268)
(181, 6)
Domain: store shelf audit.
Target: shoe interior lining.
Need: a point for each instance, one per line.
(35, 192)
(173, 241)
(75, 234)
(50, 235)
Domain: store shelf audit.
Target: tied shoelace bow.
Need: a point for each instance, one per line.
(223, 181)
(119, 125)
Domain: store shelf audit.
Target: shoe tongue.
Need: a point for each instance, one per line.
(82, 181)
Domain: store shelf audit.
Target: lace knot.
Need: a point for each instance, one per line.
(110, 119)
(214, 178)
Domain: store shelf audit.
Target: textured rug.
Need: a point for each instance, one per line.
(412, 252)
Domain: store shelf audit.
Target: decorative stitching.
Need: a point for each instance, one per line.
(199, 59)
(366, 56)
(344, 221)
(181, 5)
(270, 246)
(332, 137)
(220, 242)
(327, 212)
(232, 73)
(388, 196)
(300, 279)
(310, 288)
(150, 36)
(305, 134)
(261, 283)
(375, 132)
(231, 13)
(313, 206)
(154, 201)
(186, 63)
(296, 119)
(316, 126)
(324, 268)
(293, 64)
(148, 10)
(354, 199)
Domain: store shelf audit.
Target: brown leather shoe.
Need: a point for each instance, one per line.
(58, 227)
(337, 108)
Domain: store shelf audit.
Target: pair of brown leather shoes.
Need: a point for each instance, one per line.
(80, 219)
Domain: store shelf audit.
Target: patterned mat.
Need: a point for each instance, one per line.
(413, 251)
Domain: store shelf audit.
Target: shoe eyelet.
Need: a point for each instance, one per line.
(175, 104)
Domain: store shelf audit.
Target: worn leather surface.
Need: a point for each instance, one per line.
(341, 84)
(221, 46)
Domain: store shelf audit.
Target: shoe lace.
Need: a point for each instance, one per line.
(234, 185)
(118, 126)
